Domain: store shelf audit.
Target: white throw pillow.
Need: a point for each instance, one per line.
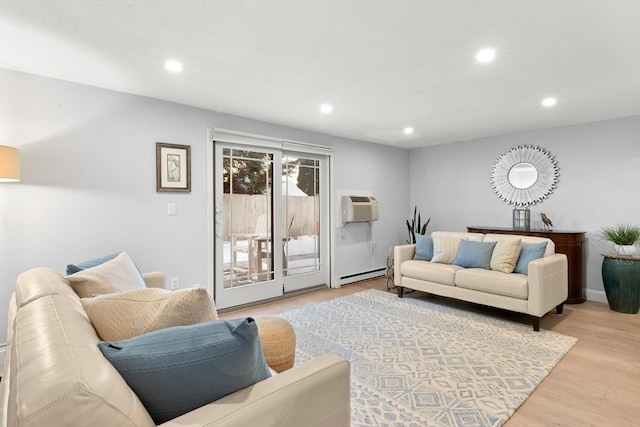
(128, 314)
(445, 249)
(117, 275)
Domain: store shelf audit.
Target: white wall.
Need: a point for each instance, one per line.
(599, 183)
(88, 182)
(364, 169)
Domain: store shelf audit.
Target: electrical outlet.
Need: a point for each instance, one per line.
(175, 283)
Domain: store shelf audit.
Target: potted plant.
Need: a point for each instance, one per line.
(415, 226)
(621, 273)
(623, 236)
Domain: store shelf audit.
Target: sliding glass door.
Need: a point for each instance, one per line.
(269, 224)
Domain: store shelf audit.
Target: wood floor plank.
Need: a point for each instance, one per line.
(596, 384)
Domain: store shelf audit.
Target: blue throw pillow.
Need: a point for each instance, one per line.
(176, 370)
(529, 252)
(424, 248)
(474, 254)
(74, 268)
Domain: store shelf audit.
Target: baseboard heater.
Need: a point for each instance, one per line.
(349, 278)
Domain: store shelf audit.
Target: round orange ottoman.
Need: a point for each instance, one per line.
(278, 341)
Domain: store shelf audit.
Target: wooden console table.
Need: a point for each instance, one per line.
(570, 243)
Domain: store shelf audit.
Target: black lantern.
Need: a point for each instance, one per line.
(521, 218)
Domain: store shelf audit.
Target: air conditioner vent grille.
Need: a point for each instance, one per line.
(360, 199)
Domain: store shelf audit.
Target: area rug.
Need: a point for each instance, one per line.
(419, 363)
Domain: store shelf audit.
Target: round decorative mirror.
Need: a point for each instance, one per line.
(524, 175)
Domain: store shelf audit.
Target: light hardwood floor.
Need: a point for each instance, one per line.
(596, 384)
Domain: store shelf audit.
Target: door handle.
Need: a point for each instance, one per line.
(218, 222)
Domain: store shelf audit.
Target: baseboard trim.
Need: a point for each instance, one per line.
(599, 296)
(344, 280)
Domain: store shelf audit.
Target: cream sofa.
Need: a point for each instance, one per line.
(55, 375)
(544, 288)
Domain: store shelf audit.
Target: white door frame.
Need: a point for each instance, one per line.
(214, 210)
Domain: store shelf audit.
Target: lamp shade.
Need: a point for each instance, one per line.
(9, 164)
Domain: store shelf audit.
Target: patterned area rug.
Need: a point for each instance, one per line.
(416, 363)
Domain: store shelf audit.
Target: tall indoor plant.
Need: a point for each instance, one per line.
(415, 226)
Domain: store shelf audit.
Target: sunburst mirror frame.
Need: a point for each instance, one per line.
(547, 179)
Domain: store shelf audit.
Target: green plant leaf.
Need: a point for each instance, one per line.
(622, 234)
(415, 226)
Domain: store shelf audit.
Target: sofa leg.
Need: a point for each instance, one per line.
(536, 323)
(559, 308)
(400, 291)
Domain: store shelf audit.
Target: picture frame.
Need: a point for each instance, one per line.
(173, 167)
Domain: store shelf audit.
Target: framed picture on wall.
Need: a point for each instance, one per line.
(173, 167)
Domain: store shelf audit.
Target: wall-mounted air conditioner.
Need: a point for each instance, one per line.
(359, 209)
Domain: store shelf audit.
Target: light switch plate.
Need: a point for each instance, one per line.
(171, 208)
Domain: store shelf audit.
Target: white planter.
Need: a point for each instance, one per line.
(625, 250)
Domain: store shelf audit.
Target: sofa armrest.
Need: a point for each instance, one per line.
(401, 254)
(154, 279)
(316, 393)
(548, 279)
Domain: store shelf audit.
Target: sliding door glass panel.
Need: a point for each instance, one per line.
(305, 204)
(244, 204)
(301, 205)
(247, 205)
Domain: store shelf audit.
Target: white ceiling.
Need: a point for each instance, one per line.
(383, 65)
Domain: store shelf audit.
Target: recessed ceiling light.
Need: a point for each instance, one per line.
(326, 108)
(408, 130)
(549, 102)
(173, 66)
(486, 55)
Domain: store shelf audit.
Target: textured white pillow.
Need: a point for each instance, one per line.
(445, 249)
(117, 275)
(505, 255)
(128, 314)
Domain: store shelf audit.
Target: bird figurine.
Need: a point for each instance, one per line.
(547, 222)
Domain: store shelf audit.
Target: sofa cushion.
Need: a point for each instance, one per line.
(116, 275)
(528, 253)
(176, 370)
(551, 247)
(445, 248)
(474, 254)
(432, 272)
(495, 282)
(505, 255)
(128, 314)
(424, 247)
